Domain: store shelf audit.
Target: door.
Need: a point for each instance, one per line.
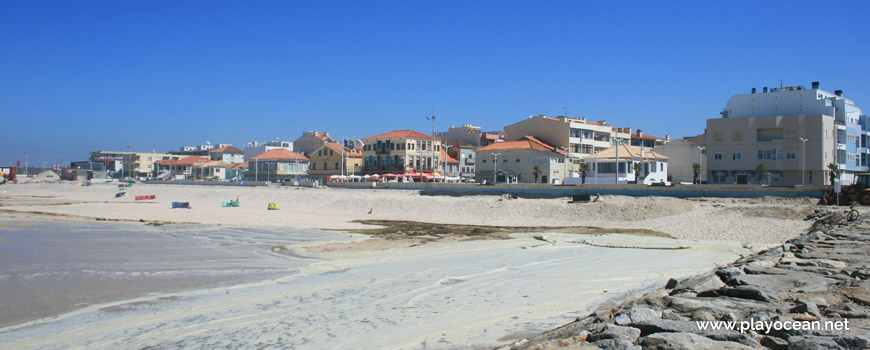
(544, 179)
(742, 179)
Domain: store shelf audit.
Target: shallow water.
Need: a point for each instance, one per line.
(128, 286)
(47, 268)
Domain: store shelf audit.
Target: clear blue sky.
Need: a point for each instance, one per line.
(79, 76)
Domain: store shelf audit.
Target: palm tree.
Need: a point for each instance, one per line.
(762, 171)
(536, 170)
(696, 173)
(835, 172)
(637, 177)
(583, 169)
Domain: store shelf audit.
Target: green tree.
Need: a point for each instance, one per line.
(536, 170)
(762, 171)
(834, 172)
(637, 177)
(583, 169)
(696, 173)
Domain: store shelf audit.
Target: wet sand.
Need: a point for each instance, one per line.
(111, 285)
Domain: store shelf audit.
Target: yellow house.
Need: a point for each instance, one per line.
(332, 158)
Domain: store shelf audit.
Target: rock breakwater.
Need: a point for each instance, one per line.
(811, 292)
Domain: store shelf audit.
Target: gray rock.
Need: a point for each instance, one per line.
(616, 344)
(806, 308)
(700, 284)
(673, 315)
(803, 282)
(728, 273)
(629, 334)
(622, 319)
(686, 341)
(745, 292)
(642, 314)
(672, 283)
(774, 343)
(704, 315)
(814, 343)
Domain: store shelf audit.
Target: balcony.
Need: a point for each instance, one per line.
(470, 160)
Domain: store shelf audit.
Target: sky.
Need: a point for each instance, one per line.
(81, 76)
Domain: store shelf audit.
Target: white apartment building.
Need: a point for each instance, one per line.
(793, 131)
(254, 148)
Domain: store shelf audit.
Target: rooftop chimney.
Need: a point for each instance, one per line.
(667, 137)
(753, 90)
(639, 133)
(815, 85)
(838, 93)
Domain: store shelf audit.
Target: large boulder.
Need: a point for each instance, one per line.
(686, 341)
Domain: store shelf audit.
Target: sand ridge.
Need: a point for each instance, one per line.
(330, 208)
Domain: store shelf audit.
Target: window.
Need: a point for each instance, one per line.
(504, 161)
(717, 156)
(324, 166)
(518, 160)
(314, 166)
(717, 136)
(737, 136)
(737, 156)
(772, 154)
(484, 160)
(769, 134)
(336, 165)
(791, 134)
(791, 155)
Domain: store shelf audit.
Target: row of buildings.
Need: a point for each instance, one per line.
(781, 136)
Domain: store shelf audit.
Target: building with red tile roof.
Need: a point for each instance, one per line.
(401, 151)
(329, 159)
(527, 160)
(278, 165)
(228, 154)
(310, 141)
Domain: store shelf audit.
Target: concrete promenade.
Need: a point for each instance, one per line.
(547, 190)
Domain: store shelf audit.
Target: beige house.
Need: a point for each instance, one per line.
(737, 145)
(401, 151)
(310, 141)
(278, 165)
(136, 163)
(332, 158)
(515, 162)
(196, 168)
(617, 165)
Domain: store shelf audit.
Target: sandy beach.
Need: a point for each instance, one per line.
(294, 278)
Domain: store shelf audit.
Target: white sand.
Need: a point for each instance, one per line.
(711, 219)
(439, 295)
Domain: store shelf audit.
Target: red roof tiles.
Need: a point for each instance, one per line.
(411, 134)
(527, 142)
(281, 153)
(227, 149)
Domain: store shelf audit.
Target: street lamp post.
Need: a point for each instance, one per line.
(564, 165)
(432, 168)
(803, 160)
(495, 168)
(444, 161)
(596, 168)
(700, 159)
(617, 161)
(25, 163)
